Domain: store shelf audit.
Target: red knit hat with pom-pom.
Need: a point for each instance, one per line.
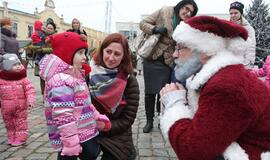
(66, 44)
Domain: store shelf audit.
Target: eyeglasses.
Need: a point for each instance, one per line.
(180, 46)
(187, 9)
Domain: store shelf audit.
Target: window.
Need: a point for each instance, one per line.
(15, 27)
(30, 31)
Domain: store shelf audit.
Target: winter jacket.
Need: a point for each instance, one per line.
(166, 45)
(19, 92)
(118, 141)
(38, 36)
(71, 117)
(249, 57)
(9, 44)
(264, 71)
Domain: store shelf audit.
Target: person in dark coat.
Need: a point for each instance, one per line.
(157, 69)
(115, 92)
(9, 43)
(76, 27)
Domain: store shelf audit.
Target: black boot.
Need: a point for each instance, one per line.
(149, 111)
(148, 127)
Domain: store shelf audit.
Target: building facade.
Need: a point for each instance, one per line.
(23, 23)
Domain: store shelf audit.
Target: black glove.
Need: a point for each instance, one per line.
(160, 30)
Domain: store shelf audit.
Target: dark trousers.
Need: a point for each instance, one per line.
(151, 100)
(108, 156)
(90, 151)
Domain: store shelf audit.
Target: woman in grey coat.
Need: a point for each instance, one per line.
(157, 69)
(9, 43)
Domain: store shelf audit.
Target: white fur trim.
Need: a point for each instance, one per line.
(235, 152)
(194, 38)
(171, 115)
(265, 156)
(238, 45)
(193, 100)
(212, 66)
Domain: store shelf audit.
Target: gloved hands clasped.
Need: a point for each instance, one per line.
(160, 30)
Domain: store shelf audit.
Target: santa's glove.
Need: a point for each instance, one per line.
(71, 146)
(103, 123)
(170, 98)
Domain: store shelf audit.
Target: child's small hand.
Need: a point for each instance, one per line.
(103, 123)
(83, 37)
(100, 125)
(47, 40)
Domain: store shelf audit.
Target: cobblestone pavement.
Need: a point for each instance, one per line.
(150, 146)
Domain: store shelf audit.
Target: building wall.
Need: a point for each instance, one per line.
(23, 20)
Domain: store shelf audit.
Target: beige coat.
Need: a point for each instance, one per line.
(166, 45)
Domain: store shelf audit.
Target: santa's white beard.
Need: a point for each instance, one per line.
(186, 68)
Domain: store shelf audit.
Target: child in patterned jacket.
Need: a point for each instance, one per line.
(264, 71)
(73, 122)
(17, 94)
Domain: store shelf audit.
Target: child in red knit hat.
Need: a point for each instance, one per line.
(73, 122)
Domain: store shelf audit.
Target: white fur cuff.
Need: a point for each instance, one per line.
(235, 152)
(171, 115)
(171, 98)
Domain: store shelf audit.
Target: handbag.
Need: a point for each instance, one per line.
(145, 43)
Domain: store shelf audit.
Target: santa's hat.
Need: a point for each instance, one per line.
(211, 35)
(66, 44)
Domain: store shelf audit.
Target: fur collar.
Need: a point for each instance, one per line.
(214, 64)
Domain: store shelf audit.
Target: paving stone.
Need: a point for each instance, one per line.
(160, 153)
(145, 152)
(45, 150)
(145, 145)
(157, 145)
(44, 138)
(13, 149)
(15, 158)
(3, 147)
(22, 153)
(34, 145)
(53, 156)
(38, 156)
(4, 155)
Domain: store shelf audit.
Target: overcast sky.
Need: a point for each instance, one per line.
(92, 12)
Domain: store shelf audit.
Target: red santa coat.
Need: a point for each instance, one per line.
(231, 116)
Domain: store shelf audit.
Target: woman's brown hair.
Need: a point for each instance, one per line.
(126, 64)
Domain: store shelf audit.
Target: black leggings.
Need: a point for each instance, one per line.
(90, 151)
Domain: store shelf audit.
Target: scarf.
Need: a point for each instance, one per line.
(12, 76)
(107, 87)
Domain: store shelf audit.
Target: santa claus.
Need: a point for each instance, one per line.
(224, 110)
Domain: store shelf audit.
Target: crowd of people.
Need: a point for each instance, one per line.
(199, 77)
